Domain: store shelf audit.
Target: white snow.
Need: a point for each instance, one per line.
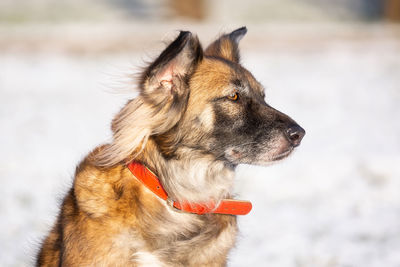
(335, 202)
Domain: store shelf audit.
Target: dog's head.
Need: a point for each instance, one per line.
(204, 100)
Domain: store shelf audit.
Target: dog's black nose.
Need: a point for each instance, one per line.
(295, 133)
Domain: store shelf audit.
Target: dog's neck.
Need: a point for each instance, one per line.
(191, 176)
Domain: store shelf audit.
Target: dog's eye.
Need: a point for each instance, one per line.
(233, 96)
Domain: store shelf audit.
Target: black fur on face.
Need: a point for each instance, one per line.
(246, 129)
(254, 135)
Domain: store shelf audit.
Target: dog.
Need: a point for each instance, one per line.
(159, 194)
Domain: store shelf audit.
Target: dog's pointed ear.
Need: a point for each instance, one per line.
(227, 46)
(174, 65)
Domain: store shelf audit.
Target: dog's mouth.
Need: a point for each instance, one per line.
(283, 155)
(236, 156)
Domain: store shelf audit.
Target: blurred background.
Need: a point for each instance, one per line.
(334, 66)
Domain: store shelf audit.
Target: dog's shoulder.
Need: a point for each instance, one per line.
(101, 191)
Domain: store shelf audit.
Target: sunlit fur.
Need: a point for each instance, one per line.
(184, 128)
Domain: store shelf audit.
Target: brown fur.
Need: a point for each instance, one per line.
(176, 128)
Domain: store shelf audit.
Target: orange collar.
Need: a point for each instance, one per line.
(226, 206)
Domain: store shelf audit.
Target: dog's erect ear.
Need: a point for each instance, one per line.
(161, 104)
(227, 46)
(174, 65)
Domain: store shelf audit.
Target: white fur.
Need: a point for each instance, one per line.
(197, 178)
(147, 259)
(128, 240)
(207, 118)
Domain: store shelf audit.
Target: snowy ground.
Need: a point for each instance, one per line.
(336, 202)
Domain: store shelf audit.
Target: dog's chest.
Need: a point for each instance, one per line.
(208, 244)
(200, 242)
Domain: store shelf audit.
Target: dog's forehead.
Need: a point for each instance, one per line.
(216, 76)
(252, 83)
